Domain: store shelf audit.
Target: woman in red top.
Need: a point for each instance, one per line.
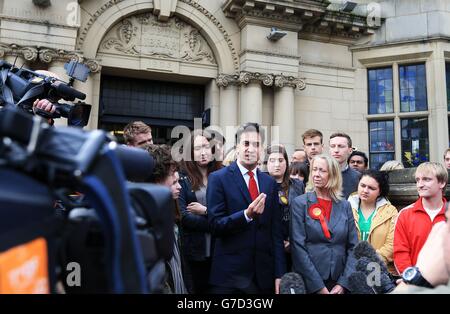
(323, 230)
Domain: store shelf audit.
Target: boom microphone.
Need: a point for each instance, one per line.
(292, 283)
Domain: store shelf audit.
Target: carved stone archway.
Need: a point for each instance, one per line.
(102, 21)
(143, 42)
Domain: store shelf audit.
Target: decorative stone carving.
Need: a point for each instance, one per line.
(223, 80)
(29, 53)
(244, 77)
(93, 65)
(290, 81)
(144, 35)
(192, 3)
(47, 55)
(247, 77)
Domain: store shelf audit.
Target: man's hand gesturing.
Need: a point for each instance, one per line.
(256, 207)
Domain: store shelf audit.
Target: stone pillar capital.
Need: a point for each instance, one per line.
(47, 55)
(289, 81)
(223, 80)
(247, 77)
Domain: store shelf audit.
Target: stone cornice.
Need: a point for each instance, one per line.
(47, 55)
(304, 16)
(268, 53)
(27, 20)
(244, 78)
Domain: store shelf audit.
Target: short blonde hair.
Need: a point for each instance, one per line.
(434, 168)
(334, 184)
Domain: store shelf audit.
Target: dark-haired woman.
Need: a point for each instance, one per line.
(375, 215)
(288, 189)
(197, 242)
(299, 170)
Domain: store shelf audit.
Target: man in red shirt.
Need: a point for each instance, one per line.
(415, 221)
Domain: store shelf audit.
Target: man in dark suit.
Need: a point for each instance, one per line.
(245, 218)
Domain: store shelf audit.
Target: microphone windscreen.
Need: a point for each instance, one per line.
(357, 283)
(377, 278)
(292, 283)
(365, 249)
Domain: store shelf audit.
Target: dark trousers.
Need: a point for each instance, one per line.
(251, 289)
(199, 275)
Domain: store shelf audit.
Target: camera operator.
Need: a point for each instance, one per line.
(45, 104)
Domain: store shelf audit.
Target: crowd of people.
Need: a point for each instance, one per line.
(242, 222)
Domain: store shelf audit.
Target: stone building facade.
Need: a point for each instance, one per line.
(377, 71)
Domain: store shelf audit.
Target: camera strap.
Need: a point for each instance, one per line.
(104, 189)
(6, 91)
(8, 96)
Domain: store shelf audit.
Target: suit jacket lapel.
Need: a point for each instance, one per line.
(336, 216)
(240, 182)
(263, 184)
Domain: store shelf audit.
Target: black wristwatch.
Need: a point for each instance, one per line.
(412, 276)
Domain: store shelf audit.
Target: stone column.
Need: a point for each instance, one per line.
(212, 99)
(251, 103)
(437, 106)
(251, 95)
(284, 110)
(228, 109)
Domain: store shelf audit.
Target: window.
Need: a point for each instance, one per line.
(381, 138)
(414, 141)
(380, 91)
(405, 115)
(447, 80)
(447, 77)
(413, 92)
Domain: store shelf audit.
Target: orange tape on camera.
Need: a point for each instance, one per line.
(24, 269)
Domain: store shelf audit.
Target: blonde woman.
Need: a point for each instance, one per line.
(323, 231)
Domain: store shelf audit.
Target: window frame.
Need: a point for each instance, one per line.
(397, 115)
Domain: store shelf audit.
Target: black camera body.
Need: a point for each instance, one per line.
(121, 234)
(22, 87)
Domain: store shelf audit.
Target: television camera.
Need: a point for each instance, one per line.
(21, 87)
(119, 233)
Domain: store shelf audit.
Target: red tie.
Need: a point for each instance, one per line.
(252, 187)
